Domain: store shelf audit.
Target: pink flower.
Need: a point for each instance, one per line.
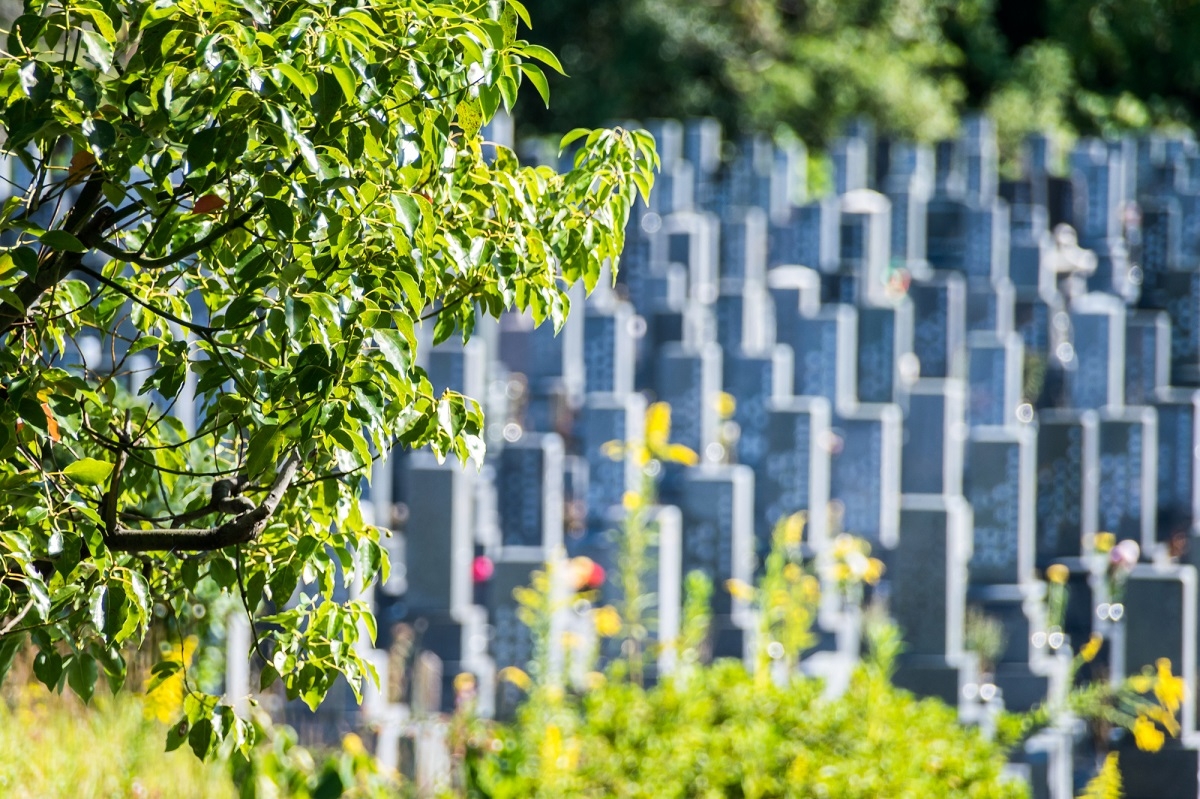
(1124, 555)
(482, 569)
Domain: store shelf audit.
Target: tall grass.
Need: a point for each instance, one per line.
(53, 746)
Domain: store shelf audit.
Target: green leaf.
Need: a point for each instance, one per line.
(408, 212)
(10, 645)
(47, 667)
(263, 449)
(538, 79)
(82, 674)
(267, 677)
(394, 348)
(62, 240)
(88, 471)
(200, 738)
(280, 214)
(545, 56)
(572, 137)
(304, 83)
(98, 50)
(177, 734)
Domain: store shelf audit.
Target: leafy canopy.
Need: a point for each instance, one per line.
(248, 207)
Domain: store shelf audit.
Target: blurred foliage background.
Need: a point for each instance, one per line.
(1071, 67)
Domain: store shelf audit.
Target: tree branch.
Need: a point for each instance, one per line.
(245, 528)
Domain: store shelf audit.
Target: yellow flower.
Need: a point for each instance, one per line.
(1104, 542)
(613, 450)
(571, 640)
(1140, 683)
(1165, 718)
(841, 572)
(1091, 648)
(464, 681)
(726, 405)
(165, 700)
(793, 529)
(874, 571)
(594, 680)
(792, 572)
(631, 500)
(1168, 689)
(607, 621)
(353, 745)
(811, 588)
(678, 453)
(739, 590)
(552, 748)
(1148, 737)
(1058, 574)
(658, 425)
(515, 676)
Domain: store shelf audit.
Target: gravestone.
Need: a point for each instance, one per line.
(1147, 355)
(511, 643)
(1160, 622)
(865, 474)
(981, 155)
(1178, 444)
(928, 578)
(1097, 170)
(866, 240)
(850, 156)
(1179, 296)
(985, 251)
(674, 189)
(753, 381)
(439, 550)
(745, 318)
(795, 292)
(885, 338)
(1129, 473)
(1161, 242)
(691, 238)
(994, 378)
(717, 514)
(808, 237)
(1037, 320)
(610, 418)
(529, 493)
(1098, 326)
(743, 243)
(795, 471)
(939, 329)
(1000, 484)
(991, 307)
(438, 534)
(1067, 483)
(609, 347)
(907, 185)
(935, 433)
(689, 380)
(825, 348)
(1029, 258)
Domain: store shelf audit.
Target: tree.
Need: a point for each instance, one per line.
(251, 205)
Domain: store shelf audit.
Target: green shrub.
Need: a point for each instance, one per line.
(723, 733)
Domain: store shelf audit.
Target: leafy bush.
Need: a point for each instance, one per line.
(722, 732)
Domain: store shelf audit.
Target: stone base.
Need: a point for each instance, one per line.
(933, 676)
(1172, 773)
